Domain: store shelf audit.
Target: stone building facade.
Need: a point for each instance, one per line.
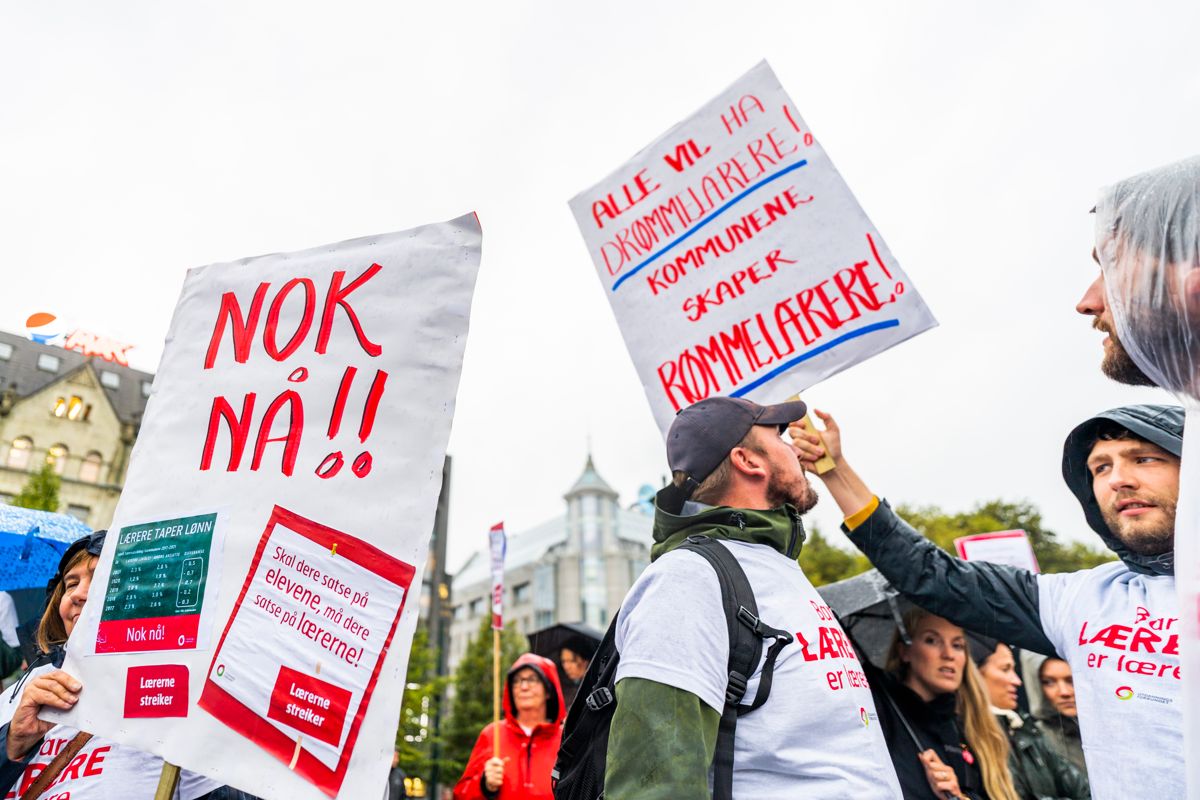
(79, 413)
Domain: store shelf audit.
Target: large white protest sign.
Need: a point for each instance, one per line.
(736, 259)
(251, 614)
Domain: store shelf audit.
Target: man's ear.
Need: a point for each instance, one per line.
(748, 462)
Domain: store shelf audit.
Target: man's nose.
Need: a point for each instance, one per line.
(1092, 302)
(1120, 477)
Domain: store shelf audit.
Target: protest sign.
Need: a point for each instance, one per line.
(736, 259)
(251, 620)
(497, 545)
(1003, 547)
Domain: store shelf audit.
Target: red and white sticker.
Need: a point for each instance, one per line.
(157, 690)
(300, 656)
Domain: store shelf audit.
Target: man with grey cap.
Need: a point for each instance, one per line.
(737, 481)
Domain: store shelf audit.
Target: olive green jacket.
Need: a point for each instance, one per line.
(662, 739)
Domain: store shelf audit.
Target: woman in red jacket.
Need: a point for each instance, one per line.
(529, 737)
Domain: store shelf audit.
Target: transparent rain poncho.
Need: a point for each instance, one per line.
(1148, 243)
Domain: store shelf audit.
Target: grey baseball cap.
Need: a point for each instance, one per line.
(703, 433)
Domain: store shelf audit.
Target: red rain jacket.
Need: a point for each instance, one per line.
(529, 758)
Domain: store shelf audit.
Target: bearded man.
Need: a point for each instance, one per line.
(1117, 625)
(738, 482)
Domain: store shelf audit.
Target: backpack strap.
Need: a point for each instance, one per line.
(746, 635)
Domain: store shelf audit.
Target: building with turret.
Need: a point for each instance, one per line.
(575, 567)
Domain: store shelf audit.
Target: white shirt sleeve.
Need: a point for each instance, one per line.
(8, 620)
(672, 628)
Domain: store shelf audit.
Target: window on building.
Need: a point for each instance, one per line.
(79, 512)
(77, 410)
(521, 593)
(146, 388)
(48, 363)
(110, 379)
(18, 452)
(89, 470)
(460, 612)
(476, 608)
(73, 409)
(544, 619)
(56, 457)
(6, 351)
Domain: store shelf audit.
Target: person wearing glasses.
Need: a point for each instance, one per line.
(529, 737)
(101, 767)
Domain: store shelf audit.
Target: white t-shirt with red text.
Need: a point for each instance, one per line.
(102, 769)
(817, 736)
(1119, 632)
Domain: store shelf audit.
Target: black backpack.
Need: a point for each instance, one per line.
(579, 770)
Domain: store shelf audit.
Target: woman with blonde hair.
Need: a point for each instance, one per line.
(940, 731)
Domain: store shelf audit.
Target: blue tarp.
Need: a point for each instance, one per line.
(31, 543)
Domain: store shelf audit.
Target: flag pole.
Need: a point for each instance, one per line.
(497, 544)
(496, 692)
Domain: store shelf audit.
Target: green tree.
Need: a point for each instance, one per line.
(824, 562)
(40, 491)
(422, 691)
(997, 515)
(472, 705)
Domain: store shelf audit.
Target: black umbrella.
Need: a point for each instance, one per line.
(870, 611)
(579, 638)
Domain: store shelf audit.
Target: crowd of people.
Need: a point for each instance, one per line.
(1000, 684)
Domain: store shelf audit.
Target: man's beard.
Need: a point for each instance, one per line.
(1144, 541)
(1117, 364)
(797, 491)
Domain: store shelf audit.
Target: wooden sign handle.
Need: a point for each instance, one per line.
(168, 780)
(55, 767)
(825, 462)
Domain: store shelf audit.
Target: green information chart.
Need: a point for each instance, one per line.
(156, 587)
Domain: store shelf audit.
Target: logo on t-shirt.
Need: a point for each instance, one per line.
(1125, 692)
(862, 714)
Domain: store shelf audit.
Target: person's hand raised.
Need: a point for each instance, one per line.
(807, 444)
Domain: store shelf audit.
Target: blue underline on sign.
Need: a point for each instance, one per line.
(709, 219)
(816, 351)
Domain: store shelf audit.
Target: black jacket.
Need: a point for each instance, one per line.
(935, 725)
(1039, 772)
(995, 599)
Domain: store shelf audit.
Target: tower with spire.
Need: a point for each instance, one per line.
(591, 533)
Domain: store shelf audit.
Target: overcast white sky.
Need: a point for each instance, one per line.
(140, 139)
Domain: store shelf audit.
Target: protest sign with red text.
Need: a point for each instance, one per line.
(736, 259)
(251, 614)
(1002, 547)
